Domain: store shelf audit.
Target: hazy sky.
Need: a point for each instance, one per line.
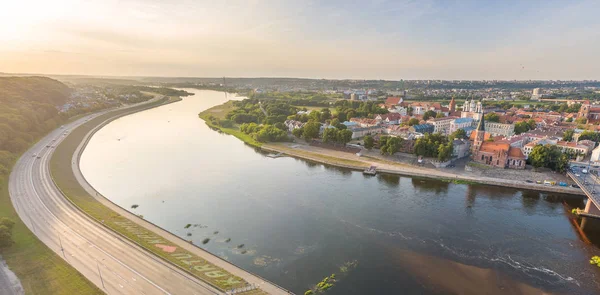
(316, 39)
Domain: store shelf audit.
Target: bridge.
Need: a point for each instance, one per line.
(589, 184)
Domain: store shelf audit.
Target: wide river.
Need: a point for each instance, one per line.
(302, 221)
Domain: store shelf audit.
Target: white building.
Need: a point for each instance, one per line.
(595, 155)
(441, 125)
(460, 123)
(496, 129)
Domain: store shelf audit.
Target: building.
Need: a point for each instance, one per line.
(293, 124)
(392, 102)
(441, 125)
(460, 148)
(536, 94)
(365, 122)
(502, 129)
(358, 132)
(565, 146)
(590, 112)
(452, 105)
(495, 153)
(461, 123)
(389, 118)
(595, 155)
(421, 128)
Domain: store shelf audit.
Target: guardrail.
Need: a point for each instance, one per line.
(595, 199)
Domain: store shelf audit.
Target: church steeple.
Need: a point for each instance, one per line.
(481, 125)
(452, 105)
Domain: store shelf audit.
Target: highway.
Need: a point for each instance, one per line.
(112, 263)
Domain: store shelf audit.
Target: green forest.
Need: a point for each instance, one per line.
(28, 110)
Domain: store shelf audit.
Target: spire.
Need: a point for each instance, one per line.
(481, 126)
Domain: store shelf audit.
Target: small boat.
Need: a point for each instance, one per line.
(370, 171)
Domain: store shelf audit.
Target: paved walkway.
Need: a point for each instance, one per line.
(394, 165)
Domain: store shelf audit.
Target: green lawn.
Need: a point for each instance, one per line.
(60, 168)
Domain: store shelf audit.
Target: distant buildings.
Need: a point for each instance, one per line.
(536, 94)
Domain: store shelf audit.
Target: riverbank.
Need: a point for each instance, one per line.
(68, 177)
(219, 112)
(351, 161)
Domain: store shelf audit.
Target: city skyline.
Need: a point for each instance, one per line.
(536, 40)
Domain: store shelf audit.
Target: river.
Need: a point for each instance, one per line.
(301, 221)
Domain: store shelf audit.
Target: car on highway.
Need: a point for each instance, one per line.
(528, 181)
(539, 182)
(39, 157)
(574, 185)
(578, 175)
(34, 155)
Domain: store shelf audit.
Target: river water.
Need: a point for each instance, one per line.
(301, 221)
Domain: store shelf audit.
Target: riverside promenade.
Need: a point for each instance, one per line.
(386, 165)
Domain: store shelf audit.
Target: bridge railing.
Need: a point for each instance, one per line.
(595, 199)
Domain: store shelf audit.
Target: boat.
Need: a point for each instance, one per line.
(370, 171)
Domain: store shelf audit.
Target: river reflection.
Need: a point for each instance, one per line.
(302, 221)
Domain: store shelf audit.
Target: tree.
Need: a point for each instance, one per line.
(458, 134)
(568, 135)
(549, 156)
(6, 226)
(429, 114)
(492, 117)
(413, 121)
(569, 120)
(440, 115)
(298, 132)
(369, 142)
(589, 135)
(325, 114)
(445, 151)
(392, 145)
(581, 120)
(311, 130)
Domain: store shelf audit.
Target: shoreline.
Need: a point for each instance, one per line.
(248, 279)
(405, 170)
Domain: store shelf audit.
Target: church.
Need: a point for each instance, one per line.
(494, 153)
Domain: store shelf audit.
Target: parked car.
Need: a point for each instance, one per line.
(528, 181)
(539, 182)
(562, 184)
(584, 171)
(574, 185)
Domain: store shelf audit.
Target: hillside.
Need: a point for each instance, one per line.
(27, 111)
(33, 89)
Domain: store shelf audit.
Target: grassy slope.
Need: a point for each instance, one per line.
(219, 112)
(60, 167)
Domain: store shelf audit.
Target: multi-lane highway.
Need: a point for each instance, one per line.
(114, 264)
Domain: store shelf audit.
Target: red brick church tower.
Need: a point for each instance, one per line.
(479, 136)
(452, 105)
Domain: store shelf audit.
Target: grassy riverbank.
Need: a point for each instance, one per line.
(220, 112)
(62, 173)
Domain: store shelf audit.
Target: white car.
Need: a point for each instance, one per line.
(584, 171)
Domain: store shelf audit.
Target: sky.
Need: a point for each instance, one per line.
(391, 40)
